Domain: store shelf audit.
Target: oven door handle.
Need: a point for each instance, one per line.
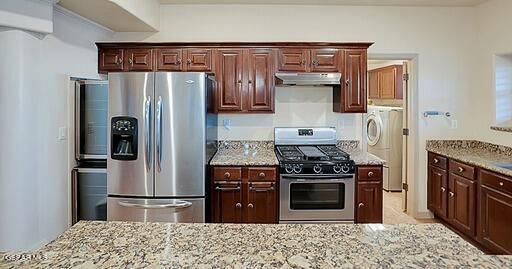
(317, 177)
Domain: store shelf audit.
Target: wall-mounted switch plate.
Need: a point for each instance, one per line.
(63, 133)
(227, 124)
(455, 124)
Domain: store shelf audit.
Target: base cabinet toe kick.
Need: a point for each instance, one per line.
(474, 202)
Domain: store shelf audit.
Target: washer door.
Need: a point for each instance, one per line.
(373, 129)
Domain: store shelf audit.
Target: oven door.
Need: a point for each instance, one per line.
(317, 198)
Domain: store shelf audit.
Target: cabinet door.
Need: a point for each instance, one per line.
(199, 60)
(495, 220)
(111, 60)
(229, 80)
(227, 202)
(369, 202)
(387, 82)
(261, 203)
(295, 60)
(437, 191)
(169, 59)
(139, 59)
(462, 204)
(373, 85)
(260, 81)
(350, 96)
(325, 60)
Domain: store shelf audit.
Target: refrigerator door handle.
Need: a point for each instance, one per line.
(147, 124)
(159, 133)
(177, 205)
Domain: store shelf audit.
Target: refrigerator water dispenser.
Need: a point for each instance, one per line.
(124, 138)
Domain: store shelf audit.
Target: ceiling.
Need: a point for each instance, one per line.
(454, 3)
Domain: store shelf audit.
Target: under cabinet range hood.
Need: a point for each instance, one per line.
(304, 79)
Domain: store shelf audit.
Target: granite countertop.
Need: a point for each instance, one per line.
(93, 244)
(261, 153)
(481, 154)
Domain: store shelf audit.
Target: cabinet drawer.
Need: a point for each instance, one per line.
(227, 173)
(437, 160)
(462, 169)
(496, 181)
(369, 173)
(262, 174)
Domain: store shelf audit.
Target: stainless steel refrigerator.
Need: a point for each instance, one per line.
(161, 138)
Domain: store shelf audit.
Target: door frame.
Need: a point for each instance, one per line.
(412, 140)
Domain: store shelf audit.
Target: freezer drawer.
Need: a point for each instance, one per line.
(89, 194)
(156, 210)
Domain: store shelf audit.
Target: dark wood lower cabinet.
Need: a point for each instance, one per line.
(437, 191)
(495, 229)
(479, 202)
(248, 197)
(462, 204)
(368, 206)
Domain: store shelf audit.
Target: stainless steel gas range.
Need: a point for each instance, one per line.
(317, 178)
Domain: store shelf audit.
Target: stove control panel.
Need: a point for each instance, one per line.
(317, 168)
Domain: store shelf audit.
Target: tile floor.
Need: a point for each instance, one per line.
(393, 213)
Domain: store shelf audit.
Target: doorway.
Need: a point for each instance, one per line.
(388, 131)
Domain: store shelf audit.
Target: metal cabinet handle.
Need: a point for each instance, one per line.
(227, 189)
(252, 188)
(240, 81)
(250, 206)
(435, 160)
(178, 62)
(370, 174)
(189, 61)
(119, 61)
(159, 133)
(147, 127)
(501, 183)
(443, 189)
(347, 82)
(360, 205)
(180, 204)
(238, 205)
(227, 175)
(130, 60)
(303, 62)
(451, 194)
(315, 63)
(261, 175)
(250, 81)
(461, 169)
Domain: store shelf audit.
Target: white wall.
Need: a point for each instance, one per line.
(294, 107)
(443, 38)
(34, 177)
(29, 15)
(494, 26)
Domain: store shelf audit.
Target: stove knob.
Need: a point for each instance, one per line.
(297, 169)
(317, 168)
(345, 169)
(288, 168)
(337, 169)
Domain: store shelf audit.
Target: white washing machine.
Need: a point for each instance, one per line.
(384, 136)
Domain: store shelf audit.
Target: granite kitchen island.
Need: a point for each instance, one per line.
(157, 245)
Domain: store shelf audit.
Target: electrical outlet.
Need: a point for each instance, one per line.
(63, 133)
(227, 124)
(455, 124)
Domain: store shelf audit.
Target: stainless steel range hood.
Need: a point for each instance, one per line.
(308, 78)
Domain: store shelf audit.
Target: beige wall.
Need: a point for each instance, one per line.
(494, 36)
(443, 39)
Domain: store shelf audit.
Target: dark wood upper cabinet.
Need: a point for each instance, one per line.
(227, 201)
(261, 202)
(325, 60)
(199, 59)
(437, 191)
(229, 80)
(462, 204)
(373, 85)
(169, 59)
(260, 81)
(111, 60)
(139, 59)
(350, 96)
(292, 59)
(386, 82)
